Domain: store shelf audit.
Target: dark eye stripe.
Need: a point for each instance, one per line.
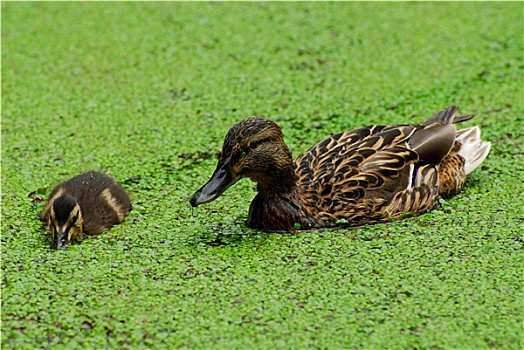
(254, 144)
(66, 232)
(248, 148)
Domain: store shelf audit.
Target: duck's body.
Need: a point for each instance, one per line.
(89, 203)
(368, 175)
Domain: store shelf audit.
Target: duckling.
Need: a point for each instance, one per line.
(89, 203)
(365, 176)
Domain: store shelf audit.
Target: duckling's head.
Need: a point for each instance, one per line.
(253, 148)
(65, 221)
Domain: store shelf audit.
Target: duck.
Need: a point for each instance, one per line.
(86, 204)
(373, 174)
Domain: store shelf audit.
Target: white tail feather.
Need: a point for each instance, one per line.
(473, 149)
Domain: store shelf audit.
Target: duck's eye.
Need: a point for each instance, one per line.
(248, 148)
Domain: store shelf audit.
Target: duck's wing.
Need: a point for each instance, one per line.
(333, 152)
(344, 175)
(375, 173)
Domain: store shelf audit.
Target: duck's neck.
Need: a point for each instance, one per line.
(277, 180)
(277, 205)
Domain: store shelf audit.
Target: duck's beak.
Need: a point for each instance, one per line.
(60, 239)
(222, 178)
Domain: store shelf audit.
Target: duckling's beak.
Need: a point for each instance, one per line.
(222, 178)
(60, 239)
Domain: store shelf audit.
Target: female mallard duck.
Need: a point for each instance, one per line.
(89, 203)
(365, 176)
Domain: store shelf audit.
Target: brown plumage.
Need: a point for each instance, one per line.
(368, 175)
(89, 203)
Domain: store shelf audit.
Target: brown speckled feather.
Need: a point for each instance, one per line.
(451, 173)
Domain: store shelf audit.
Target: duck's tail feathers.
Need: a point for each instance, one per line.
(473, 149)
(448, 116)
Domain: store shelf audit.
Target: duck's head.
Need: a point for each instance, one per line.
(65, 221)
(253, 148)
